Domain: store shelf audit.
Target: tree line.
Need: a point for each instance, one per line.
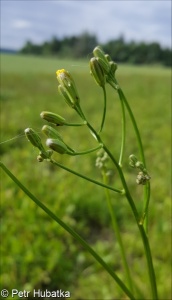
(120, 51)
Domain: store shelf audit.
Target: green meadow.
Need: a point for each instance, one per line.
(36, 253)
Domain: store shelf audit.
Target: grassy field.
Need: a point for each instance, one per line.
(35, 252)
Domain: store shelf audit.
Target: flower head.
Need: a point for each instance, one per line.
(67, 87)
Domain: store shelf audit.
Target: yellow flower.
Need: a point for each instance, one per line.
(67, 87)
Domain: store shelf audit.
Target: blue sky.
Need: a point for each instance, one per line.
(39, 20)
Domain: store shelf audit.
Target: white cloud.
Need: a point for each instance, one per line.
(20, 24)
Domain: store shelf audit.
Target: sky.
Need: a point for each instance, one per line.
(40, 20)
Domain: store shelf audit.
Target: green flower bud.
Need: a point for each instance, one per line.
(105, 65)
(140, 165)
(44, 155)
(68, 88)
(40, 158)
(52, 118)
(97, 72)
(132, 160)
(113, 67)
(99, 53)
(102, 59)
(51, 132)
(57, 146)
(65, 95)
(108, 57)
(34, 138)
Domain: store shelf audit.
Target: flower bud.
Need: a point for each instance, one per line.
(102, 59)
(65, 95)
(108, 57)
(34, 138)
(40, 158)
(68, 88)
(132, 160)
(44, 155)
(51, 132)
(99, 53)
(113, 67)
(57, 146)
(97, 72)
(105, 65)
(52, 118)
(140, 165)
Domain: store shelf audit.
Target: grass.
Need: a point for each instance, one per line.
(38, 254)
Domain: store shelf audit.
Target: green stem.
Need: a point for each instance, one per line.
(75, 124)
(149, 262)
(141, 228)
(146, 207)
(123, 132)
(104, 109)
(70, 231)
(86, 178)
(146, 187)
(123, 98)
(114, 84)
(128, 196)
(87, 151)
(136, 215)
(117, 233)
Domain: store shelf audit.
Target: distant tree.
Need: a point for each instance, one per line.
(67, 46)
(27, 49)
(30, 48)
(118, 49)
(55, 45)
(153, 53)
(167, 57)
(85, 45)
(46, 48)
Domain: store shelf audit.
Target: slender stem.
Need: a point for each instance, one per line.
(117, 233)
(146, 206)
(87, 151)
(123, 131)
(147, 249)
(123, 98)
(114, 84)
(149, 262)
(104, 109)
(75, 124)
(136, 215)
(86, 178)
(70, 231)
(147, 186)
